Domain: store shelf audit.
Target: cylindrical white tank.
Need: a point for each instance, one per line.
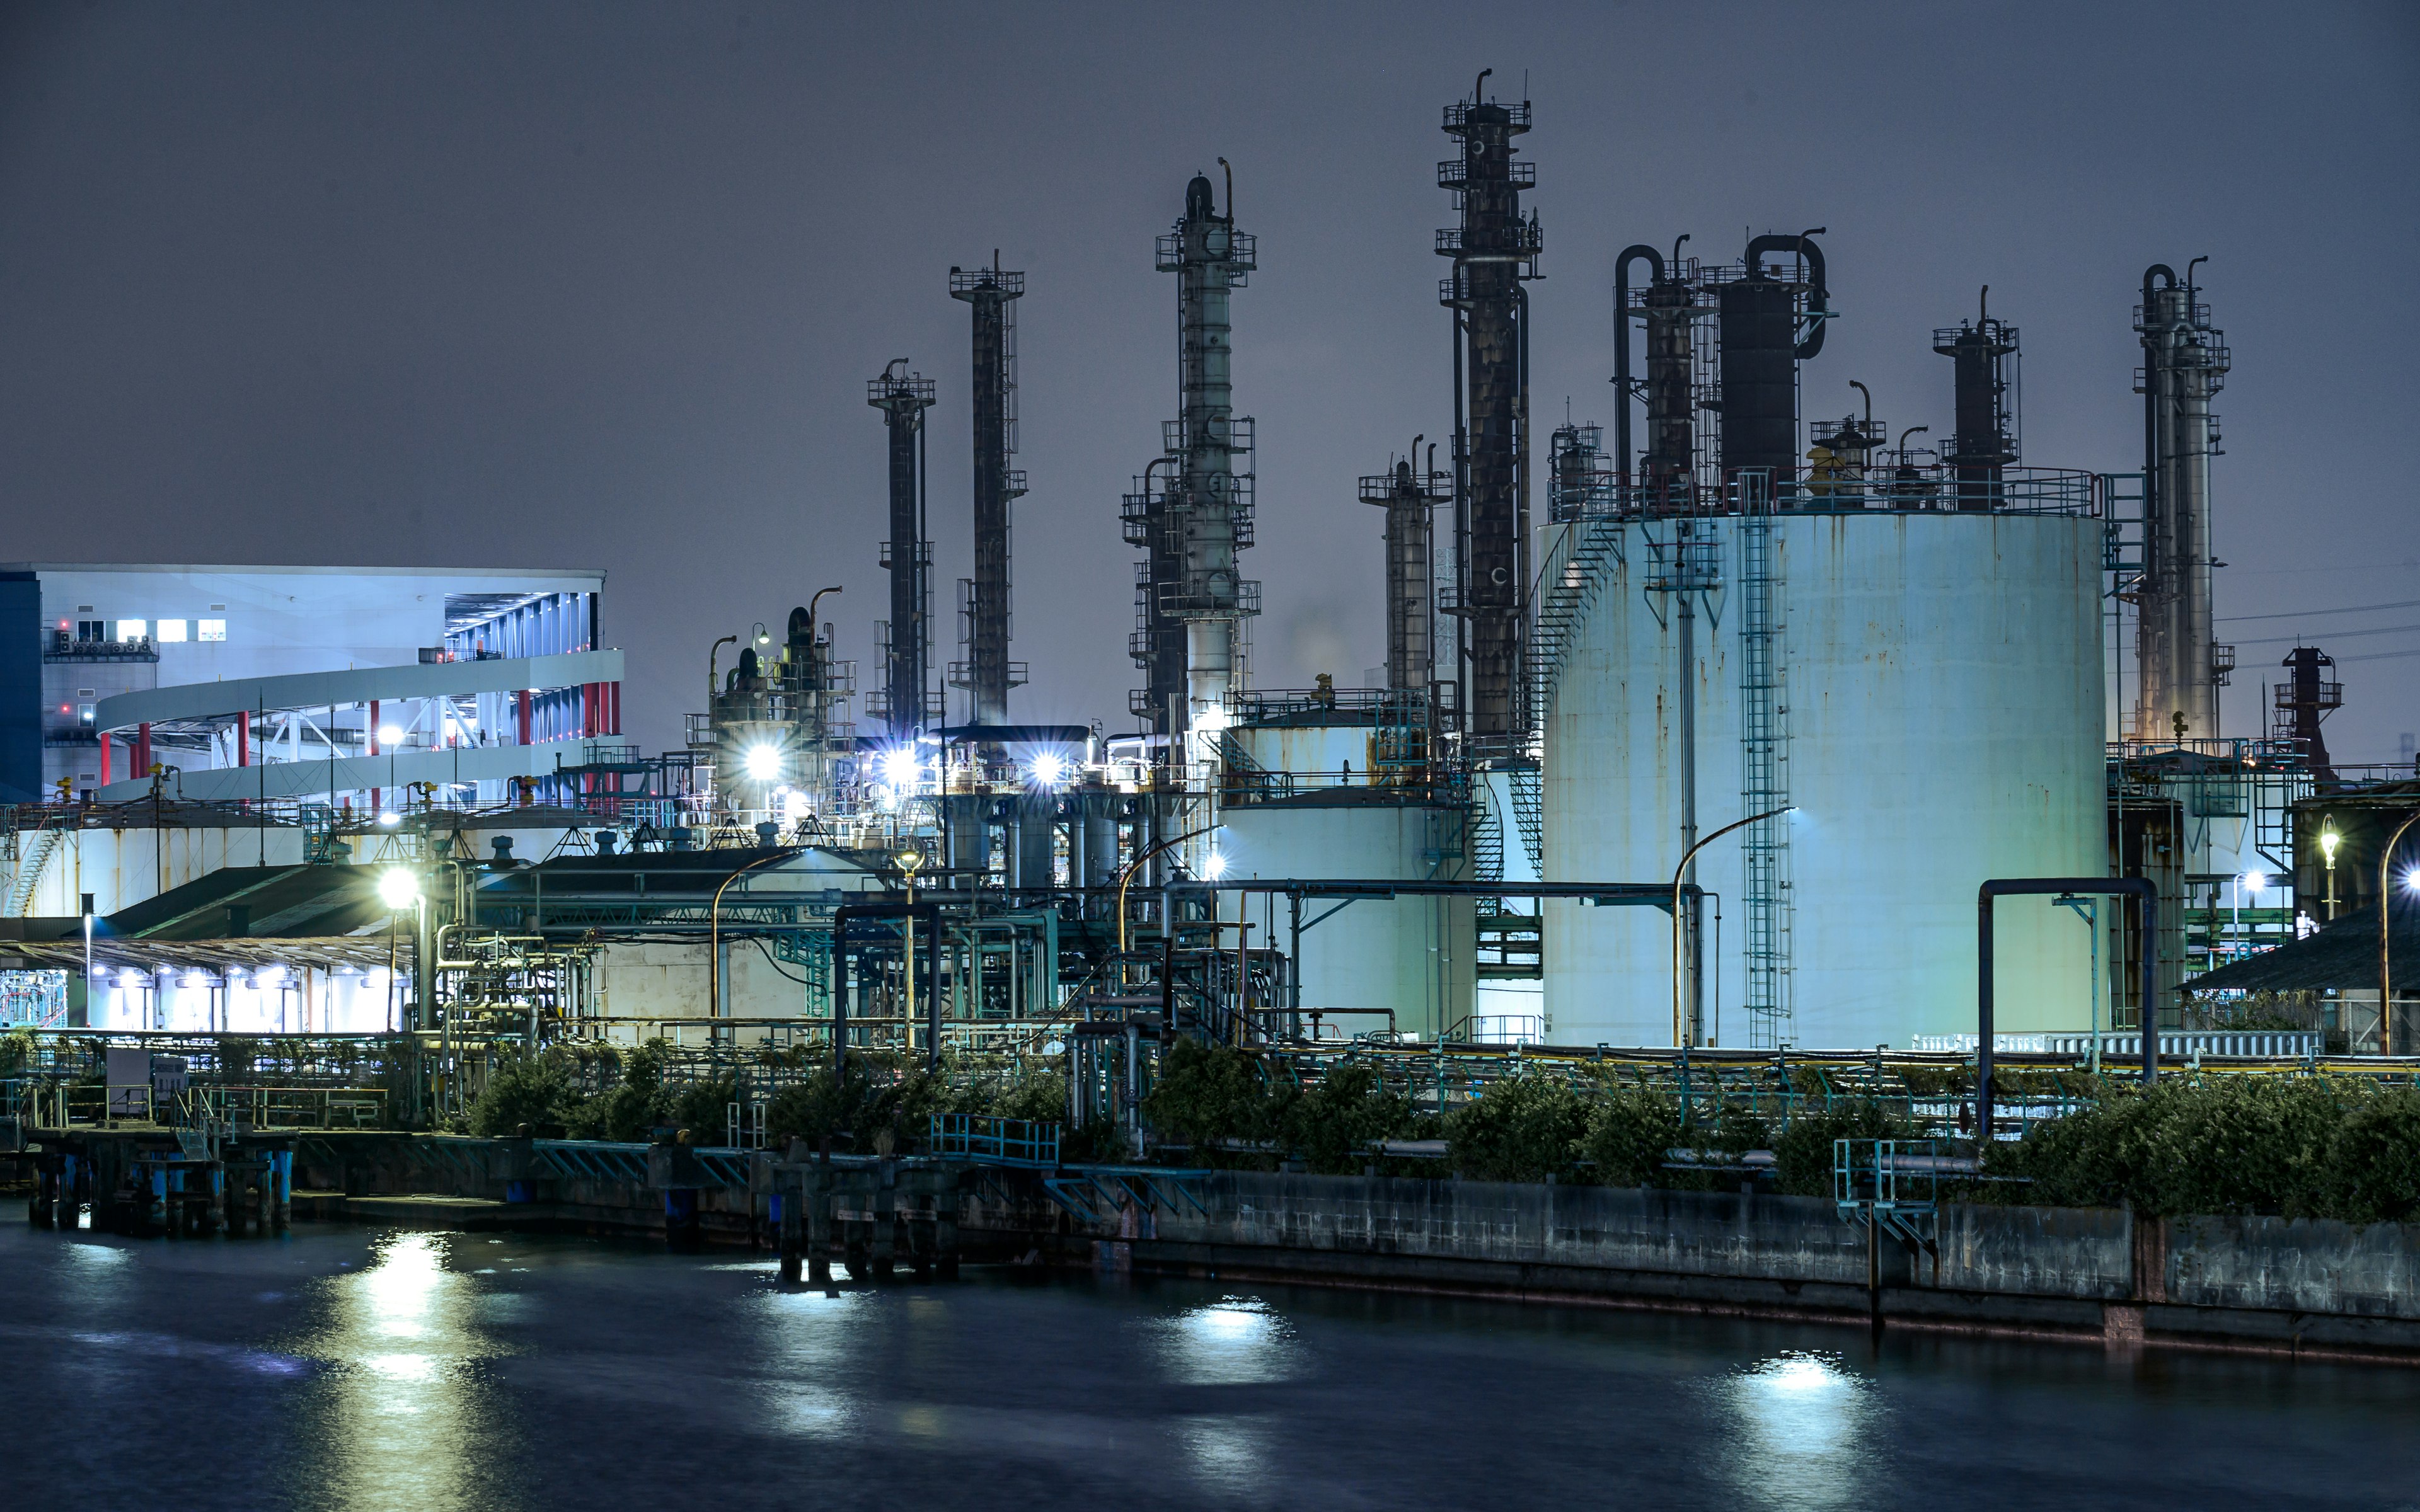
(1942, 695)
(1412, 955)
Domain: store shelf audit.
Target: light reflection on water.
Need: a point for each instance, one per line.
(1233, 1341)
(804, 1338)
(1804, 1426)
(404, 1420)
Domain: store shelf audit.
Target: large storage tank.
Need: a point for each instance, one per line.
(1941, 698)
(1410, 955)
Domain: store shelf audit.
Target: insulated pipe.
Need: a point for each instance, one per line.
(1817, 300)
(2147, 902)
(1655, 260)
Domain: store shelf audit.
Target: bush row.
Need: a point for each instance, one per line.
(2295, 1147)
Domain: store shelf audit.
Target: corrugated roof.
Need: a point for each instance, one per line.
(2343, 955)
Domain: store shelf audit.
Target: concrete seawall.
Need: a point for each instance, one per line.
(2082, 1274)
(2099, 1274)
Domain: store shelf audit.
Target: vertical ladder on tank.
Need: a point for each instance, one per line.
(1764, 785)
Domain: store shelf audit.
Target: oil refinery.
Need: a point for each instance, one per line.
(1701, 740)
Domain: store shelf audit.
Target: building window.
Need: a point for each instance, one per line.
(130, 630)
(83, 714)
(92, 629)
(171, 630)
(212, 630)
(218, 608)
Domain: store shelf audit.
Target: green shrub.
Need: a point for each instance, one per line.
(524, 1089)
(1628, 1135)
(2294, 1147)
(2373, 1160)
(1332, 1125)
(1205, 1094)
(1803, 1152)
(1522, 1129)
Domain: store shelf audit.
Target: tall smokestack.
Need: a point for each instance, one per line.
(906, 637)
(987, 674)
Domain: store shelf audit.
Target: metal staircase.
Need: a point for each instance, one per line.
(1578, 566)
(29, 869)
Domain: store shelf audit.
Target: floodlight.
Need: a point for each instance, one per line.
(763, 762)
(398, 889)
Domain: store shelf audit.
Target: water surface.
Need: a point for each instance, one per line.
(347, 1367)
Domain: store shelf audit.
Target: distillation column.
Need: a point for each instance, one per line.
(1411, 503)
(1982, 445)
(903, 397)
(1493, 251)
(1207, 504)
(987, 674)
(2177, 658)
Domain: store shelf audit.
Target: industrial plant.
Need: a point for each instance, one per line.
(1700, 728)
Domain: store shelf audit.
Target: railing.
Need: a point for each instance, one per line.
(2181, 1044)
(996, 1141)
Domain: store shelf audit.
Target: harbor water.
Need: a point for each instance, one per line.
(350, 1368)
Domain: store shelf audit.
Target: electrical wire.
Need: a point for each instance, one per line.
(2332, 635)
(2303, 614)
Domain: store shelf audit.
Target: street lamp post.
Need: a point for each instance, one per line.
(2385, 963)
(1679, 954)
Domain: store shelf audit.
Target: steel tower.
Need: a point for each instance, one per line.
(907, 637)
(1189, 591)
(2179, 664)
(987, 674)
(1494, 253)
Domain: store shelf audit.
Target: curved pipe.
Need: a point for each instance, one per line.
(2190, 265)
(1637, 252)
(1680, 1018)
(1132, 867)
(1475, 96)
(714, 931)
(1868, 429)
(711, 654)
(2385, 963)
(1818, 298)
(811, 607)
(1231, 196)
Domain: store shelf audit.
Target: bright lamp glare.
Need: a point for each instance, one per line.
(2411, 879)
(390, 734)
(1214, 866)
(398, 888)
(2255, 881)
(763, 762)
(899, 767)
(389, 819)
(1047, 770)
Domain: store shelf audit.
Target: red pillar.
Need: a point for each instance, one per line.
(104, 758)
(243, 738)
(141, 751)
(613, 708)
(523, 700)
(372, 731)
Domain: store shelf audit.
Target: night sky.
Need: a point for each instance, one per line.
(600, 285)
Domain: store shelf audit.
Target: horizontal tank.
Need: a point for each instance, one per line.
(1411, 955)
(1942, 698)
